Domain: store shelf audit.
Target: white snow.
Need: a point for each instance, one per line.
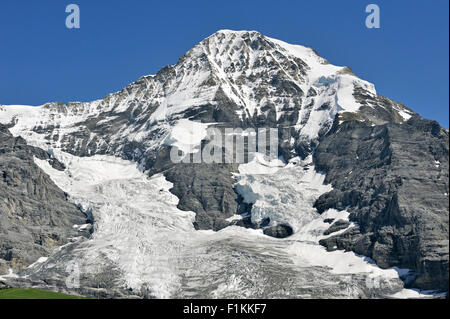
(39, 261)
(261, 164)
(415, 294)
(404, 114)
(233, 218)
(81, 227)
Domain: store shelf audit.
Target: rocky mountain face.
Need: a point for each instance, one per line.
(394, 178)
(35, 215)
(379, 156)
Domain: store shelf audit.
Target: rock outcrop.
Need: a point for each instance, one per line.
(278, 231)
(35, 215)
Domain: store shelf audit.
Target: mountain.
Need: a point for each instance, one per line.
(386, 167)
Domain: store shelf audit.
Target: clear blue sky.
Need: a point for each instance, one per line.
(119, 41)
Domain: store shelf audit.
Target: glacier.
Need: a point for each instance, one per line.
(156, 252)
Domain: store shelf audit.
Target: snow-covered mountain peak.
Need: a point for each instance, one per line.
(255, 71)
(237, 78)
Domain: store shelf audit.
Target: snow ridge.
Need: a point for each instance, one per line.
(257, 74)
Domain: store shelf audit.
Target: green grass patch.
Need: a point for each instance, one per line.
(31, 293)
